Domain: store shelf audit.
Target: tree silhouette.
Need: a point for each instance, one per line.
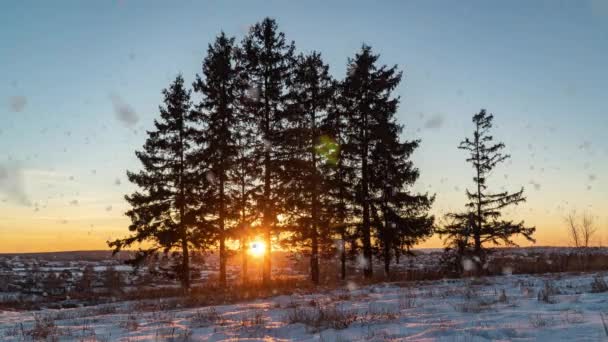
(482, 223)
(267, 60)
(338, 176)
(401, 218)
(366, 98)
(164, 208)
(221, 87)
(311, 88)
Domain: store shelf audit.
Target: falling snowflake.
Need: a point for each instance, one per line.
(267, 144)
(536, 185)
(362, 262)
(12, 183)
(468, 264)
(253, 93)
(351, 286)
(435, 122)
(123, 111)
(211, 178)
(17, 103)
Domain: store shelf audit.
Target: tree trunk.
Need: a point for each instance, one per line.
(266, 278)
(222, 232)
(387, 261)
(314, 255)
(185, 264)
(397, 254)
(314, 258)
(267, 221)
(367, 243)
(244, 242)
(477, 233)
(343, 255)
(185, 271)
(387, 241)
(222, 259)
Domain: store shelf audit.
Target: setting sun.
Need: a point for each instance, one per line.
(257, 248)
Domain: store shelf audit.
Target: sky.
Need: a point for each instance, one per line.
(81, 81)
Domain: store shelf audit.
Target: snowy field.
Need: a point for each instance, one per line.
(557, 307)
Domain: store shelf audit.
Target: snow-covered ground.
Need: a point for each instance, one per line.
(555, 307)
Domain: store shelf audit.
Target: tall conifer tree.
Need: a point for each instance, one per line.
(267, 60)
(311, 88)
(220, 86)
(482, 223)
(164, 208)
(338, 175)
(400, 217)
(368, 101)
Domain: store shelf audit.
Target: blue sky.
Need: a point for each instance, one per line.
(68, 67)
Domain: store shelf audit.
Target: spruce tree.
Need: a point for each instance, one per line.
(481, 222)
(164, 208)
(246, 174)
(267, 60)
(220, 86)
(338, 176)
(311, 89)
(401, 218)
(367, 99)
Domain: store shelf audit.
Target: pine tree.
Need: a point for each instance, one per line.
(367, 99)
(164, 208)
(267, 60)
(221, 86)
(482, 223)
(400, 217)
(311, 89)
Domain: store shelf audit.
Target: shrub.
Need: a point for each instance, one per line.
(255, 320)
(502, 298)
(205, 318)
(130, 324)
(573, 317)
(598, 284)
(320, 317)
(540, 321)
(44, 329)
(547, 292)
(407, 299)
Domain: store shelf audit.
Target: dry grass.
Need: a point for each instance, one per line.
(255, 319)
(604, 323)
(542, 321)
(599, 285)
(207, 317)
(130, 324)
(322, 317)
(407, 299)
(547, 293)
(474, 302)
(573, 317)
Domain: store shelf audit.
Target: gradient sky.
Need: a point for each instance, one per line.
(80, 81)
